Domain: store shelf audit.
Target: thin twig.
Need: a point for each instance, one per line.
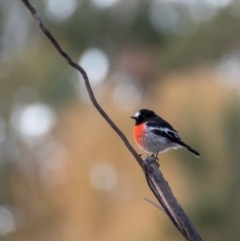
(154, 204)
(86, 81)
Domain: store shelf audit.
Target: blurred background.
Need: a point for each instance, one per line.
(65, 175)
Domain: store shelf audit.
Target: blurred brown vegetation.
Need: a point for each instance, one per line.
(76, 209)
(65, 175)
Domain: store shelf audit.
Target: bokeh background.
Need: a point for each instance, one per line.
(64, 174)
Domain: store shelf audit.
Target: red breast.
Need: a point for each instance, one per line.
(138, 133)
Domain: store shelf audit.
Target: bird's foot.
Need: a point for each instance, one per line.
(156, 156)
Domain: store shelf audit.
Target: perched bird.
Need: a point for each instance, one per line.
(153, 134)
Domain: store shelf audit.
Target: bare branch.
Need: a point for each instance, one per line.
(154, 177)
(164, 195)
(86, 81)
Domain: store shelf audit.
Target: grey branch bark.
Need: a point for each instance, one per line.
(155, 179)
(164, 195)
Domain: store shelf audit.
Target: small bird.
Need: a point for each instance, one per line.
(154, 135)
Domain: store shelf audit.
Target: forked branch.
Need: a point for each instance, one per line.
(164, 195)
(155, 180)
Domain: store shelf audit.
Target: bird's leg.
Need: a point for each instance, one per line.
(156, 156)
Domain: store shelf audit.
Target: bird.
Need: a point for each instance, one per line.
(155, 135)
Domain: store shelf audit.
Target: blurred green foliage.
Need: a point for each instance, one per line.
(29, 60)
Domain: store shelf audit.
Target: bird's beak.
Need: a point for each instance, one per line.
(133, 117)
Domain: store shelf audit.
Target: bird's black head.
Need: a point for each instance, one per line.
(143, 115)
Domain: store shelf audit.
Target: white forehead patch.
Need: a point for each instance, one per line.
(137, 114)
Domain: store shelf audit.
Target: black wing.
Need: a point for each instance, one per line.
(163, 128)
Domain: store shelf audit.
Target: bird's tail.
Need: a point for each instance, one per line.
(191, 150)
